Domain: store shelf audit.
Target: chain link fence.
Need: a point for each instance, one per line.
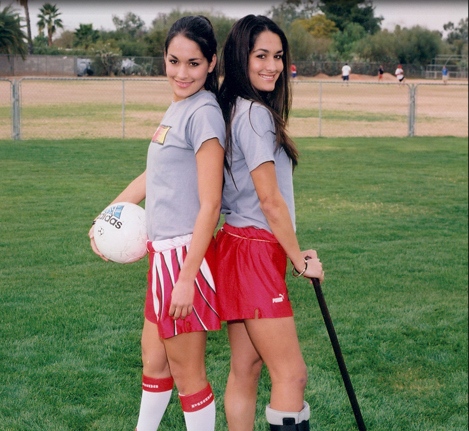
(73, 108)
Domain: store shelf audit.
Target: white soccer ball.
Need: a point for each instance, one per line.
(120, 232)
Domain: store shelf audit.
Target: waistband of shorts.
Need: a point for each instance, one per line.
(168, 244)
(250, 233)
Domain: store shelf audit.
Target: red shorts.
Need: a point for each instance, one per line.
(166, 259)
(250, 276)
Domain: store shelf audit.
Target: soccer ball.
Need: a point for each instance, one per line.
(120, 232)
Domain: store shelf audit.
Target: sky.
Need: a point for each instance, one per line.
(431, 14)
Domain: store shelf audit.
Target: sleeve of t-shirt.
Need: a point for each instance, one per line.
(206, 123)
(256, 136)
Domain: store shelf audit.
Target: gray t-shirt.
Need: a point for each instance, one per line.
(254, 143)
(172, 198)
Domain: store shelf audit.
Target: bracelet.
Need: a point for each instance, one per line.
(299, 274)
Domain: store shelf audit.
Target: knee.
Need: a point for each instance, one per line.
(303, 379)
(189, 380)
(184, 373)
(254, 369)
(155, 363)
(247, 370)
(295, 376)
(301, 376)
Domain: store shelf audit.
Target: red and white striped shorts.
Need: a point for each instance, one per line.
(250, 276)
(166, 258)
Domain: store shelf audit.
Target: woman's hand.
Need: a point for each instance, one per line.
(182, 299)
(312, 266)
(93, 244)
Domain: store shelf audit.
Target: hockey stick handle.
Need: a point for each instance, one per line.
(338, 354)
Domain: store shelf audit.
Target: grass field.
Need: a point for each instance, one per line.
(387, 216)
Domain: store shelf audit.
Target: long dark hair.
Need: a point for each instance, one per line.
(236, 83)
(199, 29)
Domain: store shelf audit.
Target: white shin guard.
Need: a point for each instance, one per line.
(287, 421)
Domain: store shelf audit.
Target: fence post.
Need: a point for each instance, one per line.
(123, 108)
(412, 91)
(320, 109)
(15, 110)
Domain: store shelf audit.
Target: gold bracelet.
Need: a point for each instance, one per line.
(299, 274)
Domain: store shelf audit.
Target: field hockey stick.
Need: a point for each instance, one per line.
(338, 355)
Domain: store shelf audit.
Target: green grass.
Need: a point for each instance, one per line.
(348, 115)
(96, 111)
(101, 112)
(387, 216)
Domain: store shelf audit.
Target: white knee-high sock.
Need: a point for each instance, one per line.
(155, 398)
(199, 410)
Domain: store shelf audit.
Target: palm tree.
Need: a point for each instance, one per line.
(48, 18)
(12, 37)
(85, 35)
(25, 5)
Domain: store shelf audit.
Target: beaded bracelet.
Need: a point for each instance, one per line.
(299, 274)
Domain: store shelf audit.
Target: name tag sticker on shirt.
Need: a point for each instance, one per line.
(160, 135)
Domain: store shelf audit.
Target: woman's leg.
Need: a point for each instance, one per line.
(277, 342)
(186, 356)
(157, 383)
(155, 362)
(241, 388)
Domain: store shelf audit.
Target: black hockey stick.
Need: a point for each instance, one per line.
(338, 355)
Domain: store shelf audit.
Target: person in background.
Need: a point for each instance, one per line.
(346, 70)
(380, 73)
(182, 187)
(293, 71)
(400, 74)
(259, 232)
(444, 75)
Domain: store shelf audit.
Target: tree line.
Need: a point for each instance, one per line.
(318, 30)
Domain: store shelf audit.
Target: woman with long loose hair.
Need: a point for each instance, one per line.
(259, 230)
(182, 187)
